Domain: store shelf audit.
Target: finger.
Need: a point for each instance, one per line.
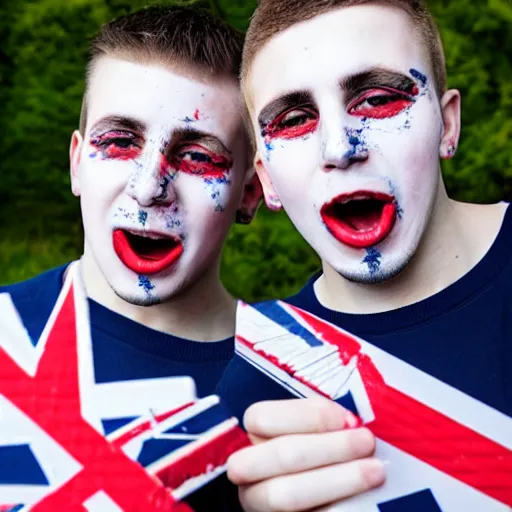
(295, 454)
(297, 416)
(313, 489)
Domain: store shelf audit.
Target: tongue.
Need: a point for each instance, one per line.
(149, 249)
(361, 215)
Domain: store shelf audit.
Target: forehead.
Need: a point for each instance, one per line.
(320, 52)
(162, 97)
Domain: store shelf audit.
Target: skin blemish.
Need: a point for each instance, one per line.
(418, 76)
(143, 217)
(146, 284)
(372, 260)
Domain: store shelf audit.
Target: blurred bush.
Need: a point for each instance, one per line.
(42, 60)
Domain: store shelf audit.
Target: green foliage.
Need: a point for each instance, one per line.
(42, 59)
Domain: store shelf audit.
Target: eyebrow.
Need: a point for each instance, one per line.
(353, 85)
(275, 107)
(376, 77)
(193, 135)
(118, 123)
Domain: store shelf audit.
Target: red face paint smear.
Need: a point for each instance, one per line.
(292, 124)
(380, 104)
(196, 114)
(198, 161)
(361, 219)
(144, 255)
(117, 145)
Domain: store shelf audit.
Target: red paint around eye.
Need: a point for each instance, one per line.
(396, 104)
(118, 153)
(217, 166)
(117, 146)
(196, 114)
(274, 131)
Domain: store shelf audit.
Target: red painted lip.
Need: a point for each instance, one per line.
(145, 255)
(360, 219)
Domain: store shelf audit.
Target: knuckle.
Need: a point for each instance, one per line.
(327, 415)
(279, 497)
(289, 456)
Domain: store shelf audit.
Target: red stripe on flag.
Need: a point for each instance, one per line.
(421, 431)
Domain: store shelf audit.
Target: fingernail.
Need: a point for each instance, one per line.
(374, 473)
(352, 421)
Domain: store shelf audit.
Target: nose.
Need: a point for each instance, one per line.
(152, 183)
(341, 148)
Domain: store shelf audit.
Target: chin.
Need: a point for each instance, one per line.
(384, 273)
(139, 299)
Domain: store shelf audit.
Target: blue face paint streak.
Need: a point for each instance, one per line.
(146, 284)
(372, 259)
(418, 75)
(143, 217)
(214, 184)
(93, 155)
(188, 120)
(354, 139)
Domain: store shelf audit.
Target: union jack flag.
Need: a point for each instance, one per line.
(445, 450)
(67, 443)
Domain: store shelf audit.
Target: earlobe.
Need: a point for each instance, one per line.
(251, 199)
(450, 107)
(271, 198)
(75, 149)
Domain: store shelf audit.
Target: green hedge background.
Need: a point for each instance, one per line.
(42, 58)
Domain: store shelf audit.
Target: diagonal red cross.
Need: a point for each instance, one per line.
(52, 400)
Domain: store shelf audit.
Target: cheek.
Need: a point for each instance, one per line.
(102, 184)
(292, 164)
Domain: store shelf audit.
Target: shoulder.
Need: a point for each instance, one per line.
(37, 284)
(34, 299)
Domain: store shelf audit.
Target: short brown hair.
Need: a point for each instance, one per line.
(274, 16)
(177, 34)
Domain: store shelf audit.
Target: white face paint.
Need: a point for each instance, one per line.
(348, 130)
(160, 174)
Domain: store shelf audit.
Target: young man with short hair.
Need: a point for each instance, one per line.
(159, 163)
(350, 111)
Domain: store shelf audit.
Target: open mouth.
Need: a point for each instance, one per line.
(146, 253)
(360, 219)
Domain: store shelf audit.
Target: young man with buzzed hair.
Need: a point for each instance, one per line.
(350, 113)
(159, 163)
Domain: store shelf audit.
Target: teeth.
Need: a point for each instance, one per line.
(152, 236)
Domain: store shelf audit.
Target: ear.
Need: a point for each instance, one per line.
(75, 149)
(271, 198)
(251, 199)
(450, 108)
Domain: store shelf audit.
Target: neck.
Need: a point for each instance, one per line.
(204, 311)
(456, 239)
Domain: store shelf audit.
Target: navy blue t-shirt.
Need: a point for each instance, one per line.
(125, 350)
(461, 335)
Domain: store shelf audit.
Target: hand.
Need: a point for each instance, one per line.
(307, 454)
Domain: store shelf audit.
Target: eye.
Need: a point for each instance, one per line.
(380, 104)
(293, 124)
(195, 156)
(199, 161)
(118, 145)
